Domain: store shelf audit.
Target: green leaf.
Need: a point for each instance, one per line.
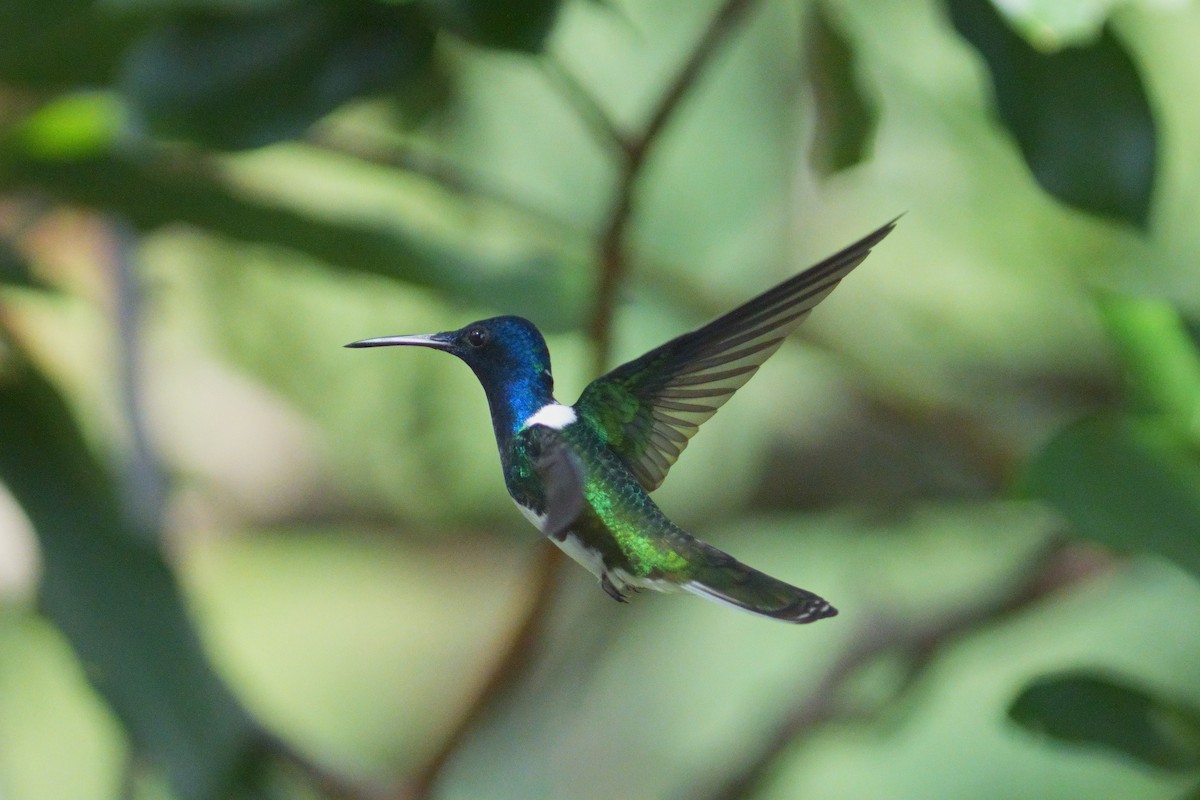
(73, 125)
(845, 118)
(59, 44)
(173, 6)
(1080, 115)
(1126, 483)
(515, 25)
(1048, 24)
(14, 270)
(246, 80)
(1160, 356)
(111, 593)
(150, 194)
(1084, 708)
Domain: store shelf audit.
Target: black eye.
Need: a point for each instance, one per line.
(477, 337)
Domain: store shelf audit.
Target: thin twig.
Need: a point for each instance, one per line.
(612, 251)
(512, 665)
(434, 168)
(143, 483)
(329, 783)
(598, 122)
(918, 642)
(721, 25)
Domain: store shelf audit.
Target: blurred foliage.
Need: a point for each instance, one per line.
(846, 123)
(244, 80)
(985, 449)
(1081, 707)
(1125, 482)
(1080, 114)
(14, 271)
(110, 592)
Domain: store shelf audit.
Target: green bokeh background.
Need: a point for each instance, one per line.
(338, 522)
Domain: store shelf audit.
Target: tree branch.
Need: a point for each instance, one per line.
(507, 672)
(436, 169)
(602, 127)
(143, 483)
(613, 260)
(514, 661)
(918, 642)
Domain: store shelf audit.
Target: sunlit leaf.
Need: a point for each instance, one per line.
(73, 125)
(1085, 708)
(245, 80)
(1079, 115)
(107, 587)
(1126, 483)
(845, 117)
(515, 25)
(150, 195)
(1161, 357)
(1052, 23)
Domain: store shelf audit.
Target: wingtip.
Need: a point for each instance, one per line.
(878, 235)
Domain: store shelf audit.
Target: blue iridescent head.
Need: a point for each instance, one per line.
(507, 354)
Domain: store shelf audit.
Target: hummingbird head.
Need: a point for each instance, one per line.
(507, 354)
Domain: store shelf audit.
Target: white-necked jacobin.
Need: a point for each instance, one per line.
(583, 473)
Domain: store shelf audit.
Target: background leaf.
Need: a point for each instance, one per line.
(14, 270)
(338, 526)
(1085, 708)
(110, 592)
(1126, 483)
(72, 125)
(246, 80)
(844, 117)
(515, 25)
(1080, 115)
(1162, 359)
(151, 197)
(62, 44)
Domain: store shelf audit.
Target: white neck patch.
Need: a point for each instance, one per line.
(552, 415)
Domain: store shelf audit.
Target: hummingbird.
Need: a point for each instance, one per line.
(583, 473)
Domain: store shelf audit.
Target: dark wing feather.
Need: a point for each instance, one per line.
(561, 474)
(650, 407)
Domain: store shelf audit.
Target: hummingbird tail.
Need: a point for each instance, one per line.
(726, 580)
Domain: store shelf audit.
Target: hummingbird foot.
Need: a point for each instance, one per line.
(611, 589)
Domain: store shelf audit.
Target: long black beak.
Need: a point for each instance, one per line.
(433, 340)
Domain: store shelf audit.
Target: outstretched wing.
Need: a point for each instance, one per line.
(561, 474)
(650, 407)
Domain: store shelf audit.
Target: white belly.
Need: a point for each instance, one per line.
(570, 545)
(589, 558)
(592, 561)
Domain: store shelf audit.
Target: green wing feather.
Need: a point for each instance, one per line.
(650, 407)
